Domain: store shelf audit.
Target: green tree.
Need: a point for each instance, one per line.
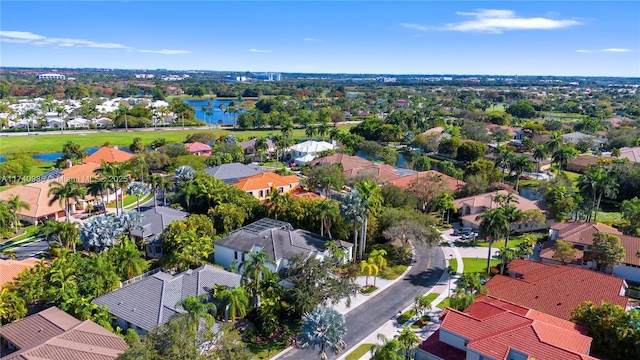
(127, 259)
(409, 341)
(596, 181)
(323, 328)
(563, 155)
(254, 270)
(520, 165)
(494, 225)
(564, 252)
(199, 310)
(64, 192)
(630, 210)
(390, 349)
(327, 178)
(421, 304)
(137, 146)
(12, 306)
(444, 202)
(471, 151)
(372, 203)
(522, 109)
(14, 205)
(607, 250)
(187, 243)
(235, 300)
(540, 153)
(369, 268)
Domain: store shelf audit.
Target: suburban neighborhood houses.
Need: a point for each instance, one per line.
(226, 217)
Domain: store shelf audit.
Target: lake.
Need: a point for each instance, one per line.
(401, 163)
(51, 157)
(214, 105)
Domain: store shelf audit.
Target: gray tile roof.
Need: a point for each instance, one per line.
(153, 223)
(152, 301)
(232, 173)
(276, 238)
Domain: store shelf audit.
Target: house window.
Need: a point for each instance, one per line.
(519, 226)
(281, 190)
(261, 193)
(235, 255)
(267, 192)
(158, 249)
(242, 256)
(250, 193)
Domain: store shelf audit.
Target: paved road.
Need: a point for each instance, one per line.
(369, 316)
(31, 249)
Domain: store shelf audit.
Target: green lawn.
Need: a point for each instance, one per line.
(472, 265)
(500, 244)
(131, 200)
(432, 296)
(444, 303)
(406, 316)
(609, 218)
(41, 168)
(45, 143)
(359, 352)
(30, 231)
(496, 107)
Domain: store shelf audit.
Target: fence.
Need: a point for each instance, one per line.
(139, 277)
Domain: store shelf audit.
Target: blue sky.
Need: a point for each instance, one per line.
(587, 38)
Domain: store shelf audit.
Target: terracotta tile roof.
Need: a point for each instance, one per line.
(353, 166)
(555, 289)
(434, 346)
(582, 232)
(633, 154)
(266, 181)
(486, 201)
(301, 193)
(82, 173)
(434, 131)
(197, 146)
(453, 184)
(37, 196)
(9, 269)
(631, 246)
(109, 155)
(55, 335)
(494, 328)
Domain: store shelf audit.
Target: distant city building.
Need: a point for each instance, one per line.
(268, 76)
(51, 77)
(144, 76)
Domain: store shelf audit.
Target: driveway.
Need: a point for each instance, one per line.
(425, 273)
(31, 249)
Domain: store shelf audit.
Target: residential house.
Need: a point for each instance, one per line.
(580, 163)
(36, 194)
(470, 208)
(278, 239)
(52, 334)
(556, 289)
(78, 122)
(198, 148)
(516, 133)
(55, 123)
(108, 155)
(357, 167)
(619, 121)
(153, 223)
(452, 183)
(631, 153)
(249, 148)
(9, 269)
(232, 173)
(152, 300)
(307, 151)
(575, 137)
(545, 164)
(491, 328)
(260, 185)
(103, 122)
(580, 234)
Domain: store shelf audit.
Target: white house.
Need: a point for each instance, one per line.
(55, 122)
(307, 151)
(103, 122)
(279, 240)
(78, 122)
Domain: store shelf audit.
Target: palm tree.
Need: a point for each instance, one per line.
(421, 304)
(128, 260)
(520, 165)
(63, 193)
(540, 153)
(503, 159)
(65, 234)
(97, 187)
(122, 180)
(15, 204)
(554, 143)
(154, 182)
(323, 128)
(372, 200)
(254, 269)
(138, 189)
(108, 171)
(353, 210)
(261, 146)
(123, 110)
(378, 258)
(563, 155)
(409, 341)
(235, 300)
(310, 131)
(277, 202)
(369, 268)
(494, 224)
(615, 153)
(390, 349)
(199, 309)
(506, 255)
(12, 306)
(324, 328)
(165, 184)
(327, 210)
(513, 215)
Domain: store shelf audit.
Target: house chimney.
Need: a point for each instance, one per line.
(69, 163)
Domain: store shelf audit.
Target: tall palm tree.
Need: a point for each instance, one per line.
(563, 155)
(236, 300)
(310, 131)
(323, 128)
(63, 193)
(108, 171)
(409, 341)
(122, 180)
(261, 146)
(513, 215)
(323, 328)
(554, 143)
(372, 200)
(369, 268)
(520, 165)
(503, 157)
(327, 210)
(493, 226)
(277, 202)
(199, 310)
(154, 182)
(254, 269)
(165, 184)
(128, 259)
(540, 153)
(97, 187)
(353, 210)
(15, 204)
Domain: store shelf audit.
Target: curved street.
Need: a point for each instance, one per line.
(427, 269)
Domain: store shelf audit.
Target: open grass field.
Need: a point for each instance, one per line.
(499, 244)
(609, 218)
(561, 115)
(359, 352)
(496, 107)
(472, 265)
(53, 142)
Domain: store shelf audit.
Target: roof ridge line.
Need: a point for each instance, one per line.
(558, 347)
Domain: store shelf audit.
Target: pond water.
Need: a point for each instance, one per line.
(218, 116)
(400, 163)
(532, 194)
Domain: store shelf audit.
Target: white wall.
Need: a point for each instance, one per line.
(223, 256)
(452, 339)
(627, 272)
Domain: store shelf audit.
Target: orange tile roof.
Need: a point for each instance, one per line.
(486, 201)
(9, 269)
(197, 147)
(53, 334)
(555, 289)
(631, 245)
(82, 173)
(301, 193)
(266, 180)
(582, 232)
(453, 184)
(354, 165)
(493, 328)
(37, 196)
(109, 155)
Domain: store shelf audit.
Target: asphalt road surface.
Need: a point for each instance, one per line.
(31, 249)
(368, 317)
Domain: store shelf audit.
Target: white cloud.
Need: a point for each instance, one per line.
(24, 37)
(616, 50)
(414, 26)
(583, 51)
(312, 39)
(259, 51)
(166, 52)
(496, 21)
